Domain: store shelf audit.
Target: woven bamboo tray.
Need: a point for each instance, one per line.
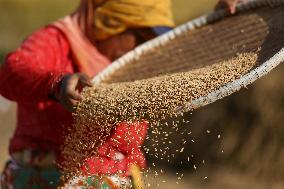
(257, 24)
(215, 37)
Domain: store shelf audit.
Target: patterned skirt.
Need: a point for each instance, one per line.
(33, 169)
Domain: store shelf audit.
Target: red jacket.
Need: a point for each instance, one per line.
(28, 76)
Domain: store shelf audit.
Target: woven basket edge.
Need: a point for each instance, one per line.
(223, 91)
(191, 25)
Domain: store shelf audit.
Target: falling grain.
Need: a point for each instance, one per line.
(153, 99)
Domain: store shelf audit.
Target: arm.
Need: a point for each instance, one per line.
(38, 70)
(32, 71)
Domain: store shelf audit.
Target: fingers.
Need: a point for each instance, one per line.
(85, 80)
(70, 104)
(73, 95)
(229, 4)
(232, 6)
(70, 87)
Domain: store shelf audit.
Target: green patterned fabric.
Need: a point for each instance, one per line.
(29, 177)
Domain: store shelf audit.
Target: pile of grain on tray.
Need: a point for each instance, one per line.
(152, 99)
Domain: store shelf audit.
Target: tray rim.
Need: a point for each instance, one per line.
(214, 16)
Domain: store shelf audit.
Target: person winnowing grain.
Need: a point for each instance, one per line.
(45, 74)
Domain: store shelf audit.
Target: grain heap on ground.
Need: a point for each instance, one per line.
(152, 99)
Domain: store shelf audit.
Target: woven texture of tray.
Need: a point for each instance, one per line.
(258, 24)
(218, 36)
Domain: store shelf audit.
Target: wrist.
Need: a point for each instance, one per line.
(56, 86)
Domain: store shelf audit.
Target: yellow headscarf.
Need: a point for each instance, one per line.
(115, 16)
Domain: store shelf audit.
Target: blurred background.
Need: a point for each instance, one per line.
(238, 141)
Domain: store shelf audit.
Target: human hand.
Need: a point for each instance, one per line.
(228, 4)
(70, 89)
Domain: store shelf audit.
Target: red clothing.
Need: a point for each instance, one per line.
(126, 139)
(28, 76)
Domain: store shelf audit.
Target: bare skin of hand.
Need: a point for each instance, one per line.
(70, 89)
(229, 4)
(72, 84)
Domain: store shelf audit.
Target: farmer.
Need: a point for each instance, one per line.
(45, 74)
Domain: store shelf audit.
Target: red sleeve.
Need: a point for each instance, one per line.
(34, 70)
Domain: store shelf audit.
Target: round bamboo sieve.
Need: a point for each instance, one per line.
(256, 27)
